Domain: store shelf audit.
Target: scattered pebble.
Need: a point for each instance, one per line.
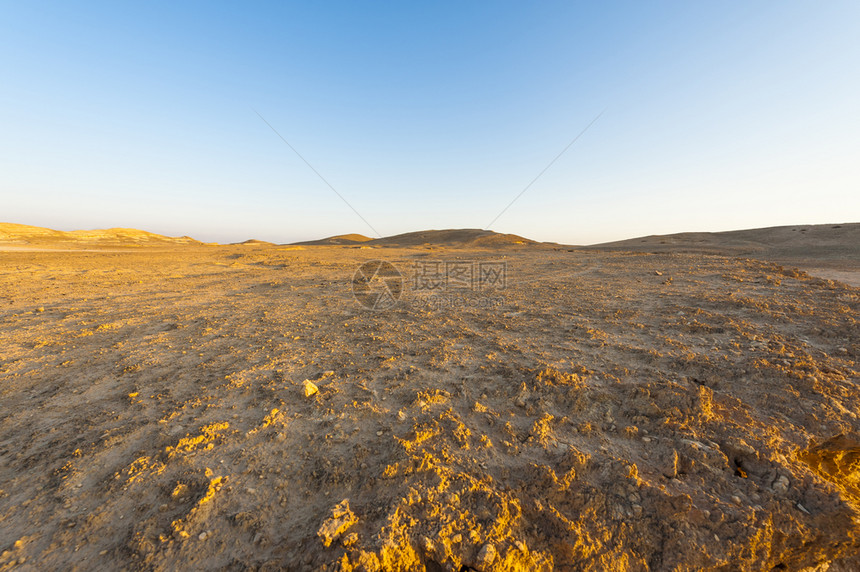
(780, 485)
(203, 535)
(521, 546)
(486, 556)
(310, 388)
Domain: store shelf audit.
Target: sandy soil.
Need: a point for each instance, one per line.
(236, 408)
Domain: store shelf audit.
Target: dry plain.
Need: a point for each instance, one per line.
(173, 405)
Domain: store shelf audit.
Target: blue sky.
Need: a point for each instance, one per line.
(717, 116)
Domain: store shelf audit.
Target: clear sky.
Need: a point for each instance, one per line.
(718, 116)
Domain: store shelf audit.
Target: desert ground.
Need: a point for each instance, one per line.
(506, 405)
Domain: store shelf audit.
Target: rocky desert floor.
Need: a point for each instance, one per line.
(236, 408)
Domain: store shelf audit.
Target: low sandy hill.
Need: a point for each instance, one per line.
(452, 238)
(23, 235)
(338, 239)
(253, 242)
(827, 250)
(820, 241)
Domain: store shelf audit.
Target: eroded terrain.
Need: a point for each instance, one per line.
(611, 411)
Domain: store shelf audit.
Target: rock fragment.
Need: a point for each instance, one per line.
(780, 485)
(310, 388)
(340, 520)
(486, 556)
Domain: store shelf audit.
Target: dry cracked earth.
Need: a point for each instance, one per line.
(235, 408)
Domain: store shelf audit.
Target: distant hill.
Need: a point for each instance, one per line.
(819, 242)
(335, 240)
(253, 242)
(452, 238)
(24, 235)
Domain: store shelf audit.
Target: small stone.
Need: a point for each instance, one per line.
(486, 556)
(103, 553)
(637, 510)
(780, 485)
(646, 439)
(251, 490)
(310, 388)
(401, 415)
(736, 499)
(203, 535)
(333, 527)
(670, 467)
(658, 273)
(379, 433)
(163, 507)
(521, 546)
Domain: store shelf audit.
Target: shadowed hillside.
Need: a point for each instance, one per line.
(820, 242)
(452, 238)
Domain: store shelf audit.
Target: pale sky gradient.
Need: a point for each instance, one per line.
(719, 116)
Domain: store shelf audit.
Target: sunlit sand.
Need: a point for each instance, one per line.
(169, 404)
